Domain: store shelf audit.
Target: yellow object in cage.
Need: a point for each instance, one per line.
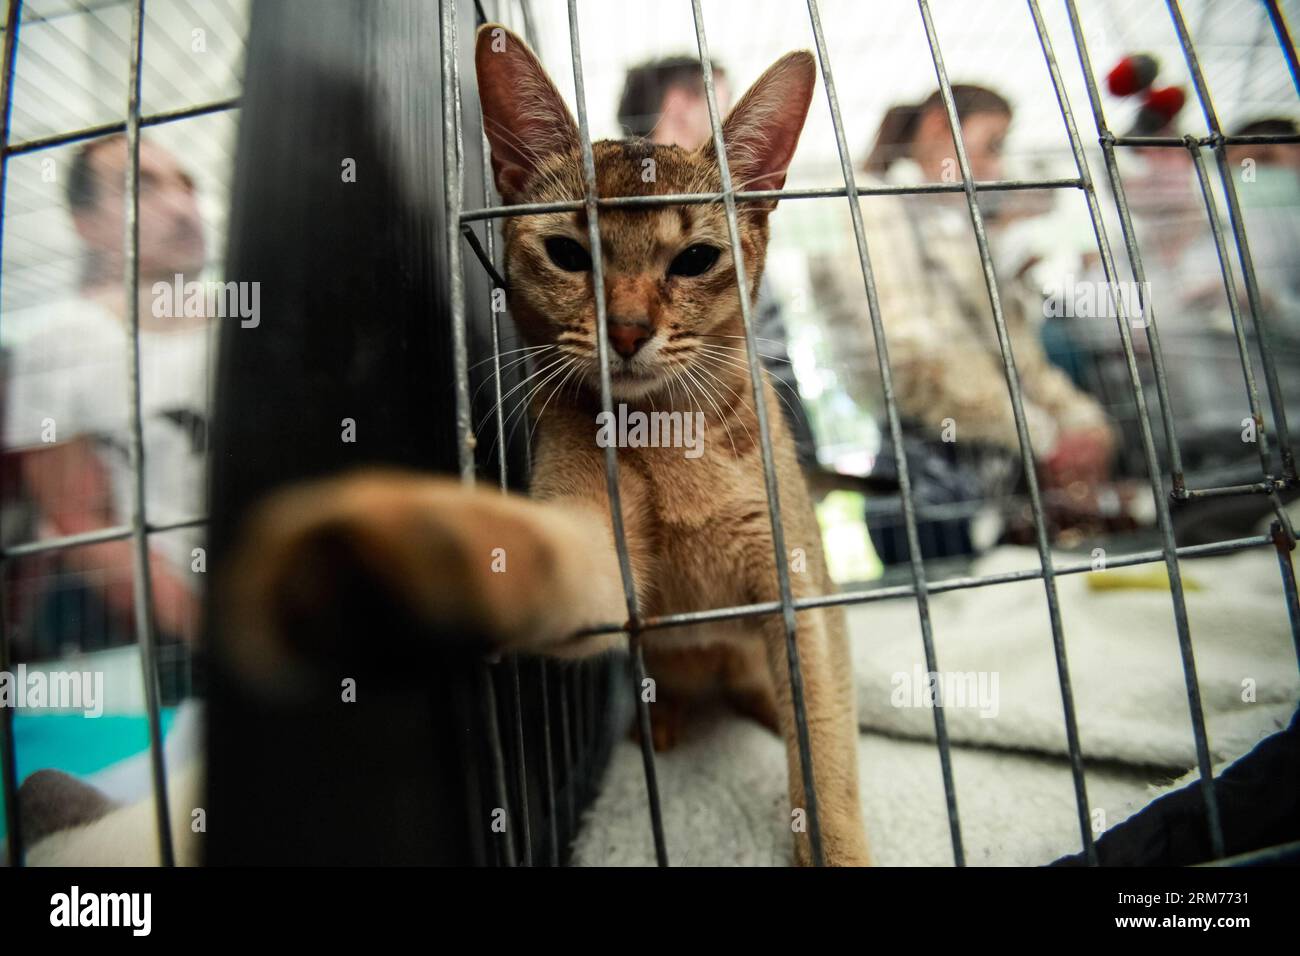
(1153, 577)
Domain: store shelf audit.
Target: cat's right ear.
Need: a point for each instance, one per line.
(524, 115)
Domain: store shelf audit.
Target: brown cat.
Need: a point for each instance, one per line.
(697, 525)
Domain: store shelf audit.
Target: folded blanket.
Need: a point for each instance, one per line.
(1124, 662)
(723, 788)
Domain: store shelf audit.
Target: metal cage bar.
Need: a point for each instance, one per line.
(917, 563)
(521, 767)
(142, 578)
(762, 195)
(1148, 444)
(1234, 308)
(1108, 142)
(765, 442)
(1022, 437)
(8, 757)
(633, 625)
(1243, 245)
(453, 185)
(1284, 40)
(108, 129)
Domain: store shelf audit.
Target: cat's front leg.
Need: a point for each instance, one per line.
(325, 566)
(832, 731)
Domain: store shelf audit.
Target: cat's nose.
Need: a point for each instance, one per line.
(628, 335)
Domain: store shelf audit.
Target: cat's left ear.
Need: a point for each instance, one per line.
(763, 129)
(524, 115)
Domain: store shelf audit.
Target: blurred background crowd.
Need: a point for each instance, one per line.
(63, 316)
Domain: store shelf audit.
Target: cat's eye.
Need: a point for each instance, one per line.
(568, 254)
(694, 260)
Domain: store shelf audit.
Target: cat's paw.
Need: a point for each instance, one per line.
(369, 565)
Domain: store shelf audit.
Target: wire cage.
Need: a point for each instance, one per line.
(1276, 469)
(524, 737)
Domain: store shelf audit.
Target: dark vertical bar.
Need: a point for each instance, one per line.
(548, 770)
(488, 701)
(647, 745)
(142, 580)
(606, 400)
(566, 742)
(1163, 518)
(1022, 435)
(895, 431)
(1243, 246)
(521, 766)
(454, 178)
(1284, 40)
(765, 444)
(1107, 139)
(1283, 536)
(8, 756)
(1234, 309)
(577, 682)
(356, 276)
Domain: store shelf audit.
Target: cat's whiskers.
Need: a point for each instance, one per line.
(505, 367)
(722, 419)
(516, 388)
(501, 355)
(757, 339)
(572, 367)
(745, 368)
(741, 402)
(520, 412)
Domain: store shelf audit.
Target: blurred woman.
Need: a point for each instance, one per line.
(948, 374)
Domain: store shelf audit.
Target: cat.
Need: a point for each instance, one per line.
(697, 528)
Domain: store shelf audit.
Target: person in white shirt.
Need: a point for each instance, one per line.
(67, 409)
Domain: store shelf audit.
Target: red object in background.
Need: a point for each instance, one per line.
(1166, 102)
(1133, 74)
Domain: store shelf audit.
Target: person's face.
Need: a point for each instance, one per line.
(684, 115)
(1161, 183)
(171, 229)
(983, 134)
(1265, 154)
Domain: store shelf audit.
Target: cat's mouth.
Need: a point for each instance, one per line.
(631, 379)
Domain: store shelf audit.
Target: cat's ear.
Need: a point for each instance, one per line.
(523, 114)
(761, 132)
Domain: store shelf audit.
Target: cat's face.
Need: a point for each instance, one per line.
(672, 303)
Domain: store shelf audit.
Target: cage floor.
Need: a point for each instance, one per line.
(723, 787)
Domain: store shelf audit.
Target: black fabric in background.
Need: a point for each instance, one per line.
(354, 324)
(1259, 807)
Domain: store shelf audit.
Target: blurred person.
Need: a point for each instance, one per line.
(67, 405)
(664, 101)
(1267, 181)
(1206, 384)
(1181, 262)
(948, 374)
